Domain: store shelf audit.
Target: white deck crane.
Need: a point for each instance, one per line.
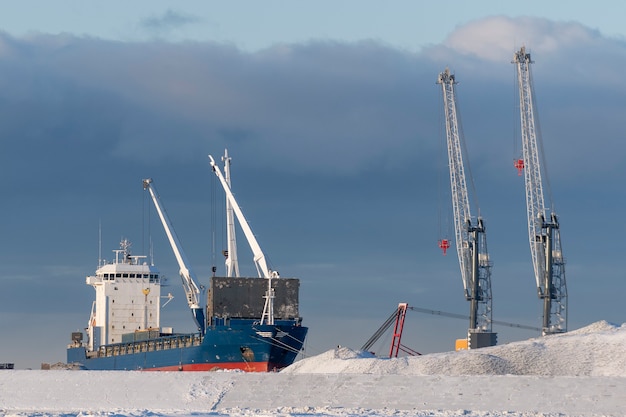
(259, 257)
(471, 240)
(543, 225)
(192, 291)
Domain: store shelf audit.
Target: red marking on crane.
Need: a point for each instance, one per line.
(397, 331)
(444, 244)
(519, 164)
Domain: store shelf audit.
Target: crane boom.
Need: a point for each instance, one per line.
(259, 257)
(543, 226)
(192, 291)
(460, 198)
(471, 241)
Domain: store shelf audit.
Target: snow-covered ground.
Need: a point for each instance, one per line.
(580, 373)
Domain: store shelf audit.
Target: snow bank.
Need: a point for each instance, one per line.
(596, 350)
(151, 394)
(581, 373)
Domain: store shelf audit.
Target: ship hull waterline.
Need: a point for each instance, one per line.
(249, 348)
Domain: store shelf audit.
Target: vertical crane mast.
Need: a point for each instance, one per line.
(232, 264)
(543, 228)
(471, 241)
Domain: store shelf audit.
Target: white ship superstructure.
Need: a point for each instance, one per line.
(128, 294)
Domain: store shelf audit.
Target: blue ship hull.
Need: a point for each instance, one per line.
(243, 344)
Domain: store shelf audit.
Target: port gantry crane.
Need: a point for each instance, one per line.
(543, 225)
(471, 239)
(192, 291)
(259, 257)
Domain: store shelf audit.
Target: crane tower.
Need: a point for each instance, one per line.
(471, 240)
(543, 225)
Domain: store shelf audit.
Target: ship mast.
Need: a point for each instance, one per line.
(232, 264)
(259, 257)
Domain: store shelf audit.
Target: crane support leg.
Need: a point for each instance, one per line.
(397, 331)
(475, 281)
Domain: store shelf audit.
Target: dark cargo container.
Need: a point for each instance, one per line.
(244, 297)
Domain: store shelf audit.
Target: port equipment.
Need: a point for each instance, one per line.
(192, 290)
(396, 317)
(259, 257)
(396, 346)
(399, 315)
(470, 234)
(543, 224)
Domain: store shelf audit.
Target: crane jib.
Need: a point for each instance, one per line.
(192, 291)
(471, 240)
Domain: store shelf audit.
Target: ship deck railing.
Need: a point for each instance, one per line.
(150, 345)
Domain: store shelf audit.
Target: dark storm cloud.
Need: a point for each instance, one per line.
(326, 106)
(321, 105)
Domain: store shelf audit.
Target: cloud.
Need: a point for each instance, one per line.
(492, 38)
(332, 108)
(328, 105)
(169, 21)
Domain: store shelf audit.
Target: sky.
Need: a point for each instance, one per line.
(334, 122)
(580, 373)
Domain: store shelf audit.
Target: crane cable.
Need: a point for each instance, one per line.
(465, 317)
(542, 154)
(213, 224)
(444, 229)
(381, 331)
(466, 163)
(146, 220)
(518, 153)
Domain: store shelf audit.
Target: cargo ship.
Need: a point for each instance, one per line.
(244, 323)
